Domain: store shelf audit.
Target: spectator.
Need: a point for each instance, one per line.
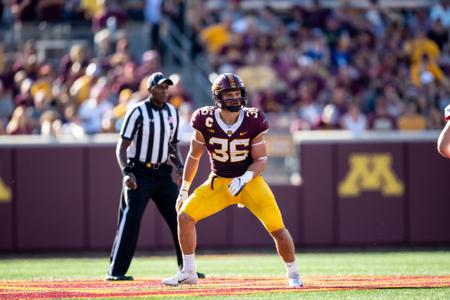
(81, 88)
(426, 71)
(6, 104)
(93, 110)
(329, 118)
(73, 64)
(72, 124)
(24, 10)
(411, 119)
(421, 46)
(25, 97)
(20, 122)
(185, 129)
(150, 64)
(153, 16)
(216, 36)
(50, 123)
(256, 72)
(109, 16)
(178, 95)
(441, 11)
(122, 55)
(354, 120)
(45, 82)
(381, 119)
(438, 33)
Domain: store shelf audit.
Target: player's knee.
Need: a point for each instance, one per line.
(184, 219)
(280, 234)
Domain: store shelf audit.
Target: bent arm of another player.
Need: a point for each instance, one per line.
(259, 155)
(443, 143)
(191, 166)
(121, 155)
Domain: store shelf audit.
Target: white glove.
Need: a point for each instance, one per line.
(237, 184)
(183, 195)
(447, 112)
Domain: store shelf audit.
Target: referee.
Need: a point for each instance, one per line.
(148, 140)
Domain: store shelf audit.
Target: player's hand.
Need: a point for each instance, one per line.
(237, 184)
(182, 196)
(130, 181)
(447, 112)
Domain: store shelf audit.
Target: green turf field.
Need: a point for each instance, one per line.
(316, 269)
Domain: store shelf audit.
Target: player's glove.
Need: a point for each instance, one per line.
(183, 195)
(237, 184)
(447, 112)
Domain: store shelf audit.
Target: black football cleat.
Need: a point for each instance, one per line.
(119, 278)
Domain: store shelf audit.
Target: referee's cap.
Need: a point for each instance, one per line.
(157, 79)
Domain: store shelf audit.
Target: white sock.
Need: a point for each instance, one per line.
(189, 263)
(291, 268)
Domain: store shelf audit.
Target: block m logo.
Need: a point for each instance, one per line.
(370, 172)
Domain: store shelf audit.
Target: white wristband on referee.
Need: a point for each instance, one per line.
(185, 185)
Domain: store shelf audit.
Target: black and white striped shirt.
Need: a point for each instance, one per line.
(150, 129)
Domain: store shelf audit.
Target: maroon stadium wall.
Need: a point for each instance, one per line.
(65, 197)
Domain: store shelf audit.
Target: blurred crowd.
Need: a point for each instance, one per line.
(90, 89)
(342, 68)
(349, 67)
(84, 95)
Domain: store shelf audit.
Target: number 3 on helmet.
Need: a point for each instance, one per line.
(229, 82)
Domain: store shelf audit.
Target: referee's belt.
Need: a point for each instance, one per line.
(149, 165)
(154, 166)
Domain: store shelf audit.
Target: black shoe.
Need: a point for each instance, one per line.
(118, 278)
(201, 275)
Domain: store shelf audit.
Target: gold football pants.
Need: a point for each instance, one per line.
(213, 196)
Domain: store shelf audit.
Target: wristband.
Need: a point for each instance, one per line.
(185, 185)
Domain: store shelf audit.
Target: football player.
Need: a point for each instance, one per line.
(443, 144)
(233, 135)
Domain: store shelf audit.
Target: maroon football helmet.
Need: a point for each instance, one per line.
(229, 82)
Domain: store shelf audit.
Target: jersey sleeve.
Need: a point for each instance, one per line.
(131, 123)
(197, 120)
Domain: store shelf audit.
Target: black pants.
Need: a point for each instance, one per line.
(157, 185)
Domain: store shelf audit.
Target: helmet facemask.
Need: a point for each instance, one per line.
(232, 104)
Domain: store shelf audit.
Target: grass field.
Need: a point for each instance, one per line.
(359, 275)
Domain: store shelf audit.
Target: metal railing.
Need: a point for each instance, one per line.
(194, 70)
